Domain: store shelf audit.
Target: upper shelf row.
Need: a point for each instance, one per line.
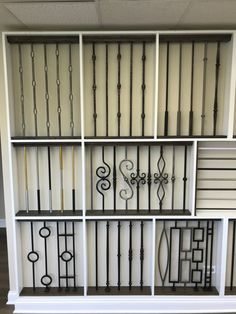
(133, 85)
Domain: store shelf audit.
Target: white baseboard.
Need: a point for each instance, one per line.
(2, 223)
(12, 297)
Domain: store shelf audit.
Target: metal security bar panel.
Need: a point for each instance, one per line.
(216, 175)
(48, 179)
(230, 284)
(46, 94)
(119, 257)
(186, 257)
(193, 73)
(119, 86)
(52, 258)
(138, 179)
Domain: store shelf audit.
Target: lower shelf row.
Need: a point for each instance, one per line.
(126, 257)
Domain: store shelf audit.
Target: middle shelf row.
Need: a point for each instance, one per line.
(161, 178)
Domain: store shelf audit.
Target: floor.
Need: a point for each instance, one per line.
(4, 309)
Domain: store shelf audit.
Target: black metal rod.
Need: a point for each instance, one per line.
(114, 178)
(233, 256)
(22, 99)
(118, 89)
(130, 255)
(35, 112)
(58, 88)
(96, 254)
(216, 169)
(49, 179)
(131, 91)
(107, 89)
(189, 38)
(167, 91)
(66, 250)
(73, 179)
(46, 90)
(173, 178)
(38, 182)
(91, 175)
(185, 177)
(215, 110)
(204, 89)
(206, 256)
(58, 256)
(138, 173)
(143, 88)
(211, 253)
(216, 189)
(149, 178)
(45, 253)
(107, 258)
(180, 89)
(73, 246)
(70, 69)
(141, 254)
(32, 250)
(94, 87)
(191, 96)
(119, 256)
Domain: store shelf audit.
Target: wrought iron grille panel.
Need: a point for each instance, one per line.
(230, 283)
(119, 254)
(49, 179)
(52, 253)
(216, 176)
(192, 76)
(138, 179)
(185, 255)
(113, 70)
(46, 89)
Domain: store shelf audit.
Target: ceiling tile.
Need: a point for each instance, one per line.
(55, 14)
(142, 12)
(210, 12)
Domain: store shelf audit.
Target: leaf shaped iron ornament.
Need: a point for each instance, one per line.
(163, 270)
(126, 164)
(161, 178)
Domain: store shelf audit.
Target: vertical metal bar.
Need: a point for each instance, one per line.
(118, 255)
(91, 174)
(180, 89)
(73, 245)
(215, 110)
(46, 90)
(107, 89)
(173, 180)
(73, 178)
(141, 254)
(49, 179)
(206, 255)
(34, 91)
(211, 253)
(191, 97)
(131, 91)
(58, 88)
(38, 183)
(61, 179)
(26, 180)
(167, 90)
(70, 69)
(58, 256)
(45, 253)
(204, 89)
(22, 98)
(130, 255)
(32, 249)
(114, 178)
(96, 254)
(138, 171)
(233, 257)
(94, 91)
(149, 178)
(107, 258)
(66, 250)
(143, 88)
(185, 176)
(118, 89)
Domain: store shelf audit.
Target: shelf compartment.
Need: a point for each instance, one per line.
(45, 86)
(216, 176)
(185, 255)
(51, 257)
(119, 256)
(193, 76)
(134, 178)
(47, 179)
(119, 85)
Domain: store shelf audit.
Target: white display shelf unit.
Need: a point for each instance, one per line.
(118, 161)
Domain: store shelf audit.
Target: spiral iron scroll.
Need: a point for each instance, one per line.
(161, 178)
(126, 164)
